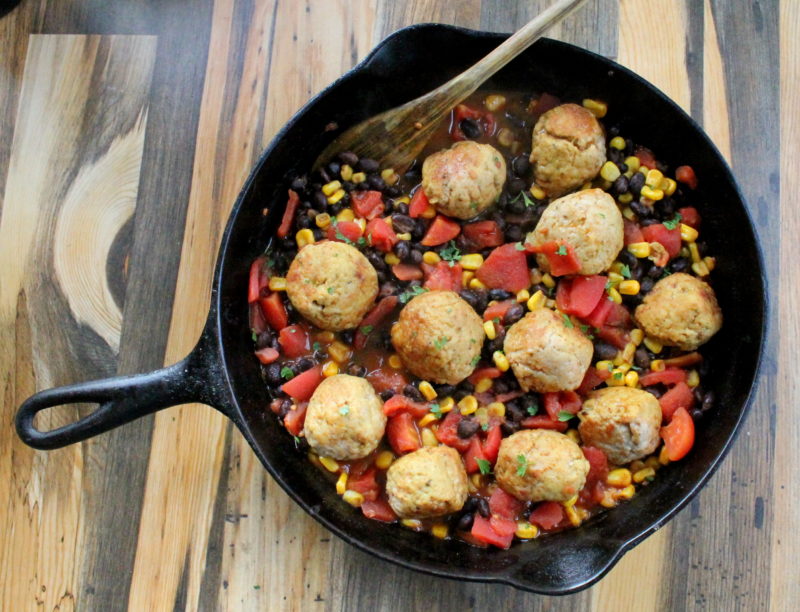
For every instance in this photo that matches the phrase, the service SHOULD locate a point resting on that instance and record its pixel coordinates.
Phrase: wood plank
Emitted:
(75, 157)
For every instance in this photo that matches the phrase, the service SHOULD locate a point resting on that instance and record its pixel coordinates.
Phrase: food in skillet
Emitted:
(502, 341)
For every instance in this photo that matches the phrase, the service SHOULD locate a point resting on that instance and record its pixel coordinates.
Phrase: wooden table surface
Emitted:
(126, 130)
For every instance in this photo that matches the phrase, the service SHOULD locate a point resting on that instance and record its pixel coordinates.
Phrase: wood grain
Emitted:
(120, 157)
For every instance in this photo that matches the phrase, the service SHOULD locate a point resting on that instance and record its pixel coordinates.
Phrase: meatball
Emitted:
(332, 285)
(464, 180)
(546, 354)
(345, 418)
(622, 422)
(439, 337)
(568, 148)
(541, 465)
(429, 482)
(680, 310)
(590, 222)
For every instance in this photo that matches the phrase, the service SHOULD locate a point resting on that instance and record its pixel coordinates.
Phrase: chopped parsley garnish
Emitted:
(609, 284)
(625, 271)
(362, 241)
(522, 465)
(484, 466)
(451, 253)
(316, 346)
(253, 335)
(296, 440)
(673, 223)
(287, 373)
(440, 342)
(413, 292)
(525, 198)
(562, 250)
(475, 360)
(564, 416)
(519, 246)
(366, 329)
(436, 410)
(344, 410)
(496, 320)
(330, 290)
(533, 409)
(485, 426)
(617, 375)
(567, 321)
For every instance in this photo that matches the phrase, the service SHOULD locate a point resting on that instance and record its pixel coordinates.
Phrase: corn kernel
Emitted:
(688, 233)
(494, 102)
(635, 466)
(277, 283)
(684, 252)
(628, 214)
(322, 220)
(693, 378)
(608, 500)
(384, 460)
(573, 435)
(496, 409)
(395, 362)
(428, 213)
(411, 523)
(391, 259)
(617, 378)
(476, 480)
(632, 379)
(625, 198)
(466, 276)
(358, 177)
(627, 493)
(658, 365)
(652, 194)
(652, 462)
(523, 296)
(446, 404)
(621, 477)
(537, 300)
(572, 515)
(610, 171)
(618, 142)
(604, 365)
(476, 284)
(653, 345)
(331, 368)
(633, 163)
(405, 236)
(304, 237)
(389, 176)
(670, 186)
(329, 464)
(629, 287)
(483, 385)
(330, 188)
(362, 223)
(346, 214)
(637, 335)
(548, 281)
(653, 178)
(642, 475)
(341, 483)
(596, 107)
(468, 405)
(526, 531)
(339, 352)
(639, 249)
(346, 172)
(336, 196)
(501, 361)
(489, 330)
(427, 390)
(710, 262)
(663, 456)
(473, 261)
(551, 304)
(354, 498)
(615, 296)
(326, 336)
(428, 437)
(700, 269)
(439, 531)
(431, 258)
(538, 193)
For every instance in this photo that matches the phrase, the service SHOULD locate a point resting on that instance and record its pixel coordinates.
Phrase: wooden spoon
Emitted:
(396, 137)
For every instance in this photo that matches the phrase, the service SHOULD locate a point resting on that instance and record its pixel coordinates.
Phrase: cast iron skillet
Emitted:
(222, 372)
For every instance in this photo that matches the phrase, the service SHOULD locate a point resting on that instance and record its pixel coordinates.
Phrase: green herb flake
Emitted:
(484, 466)
(296, 440)
(609, 285)
(617, 375)
(362, 241)
(413, 292)
(522, 465)
(316, 346)
(440, 342)
(451, 253)
(673, 223)
(367, 329)
(625, 271)
(253, 335)
(436, 410)
(533, 409)
(525, 198)
(564, 416)
(496, 320)
(485, 426)
(519, 246)
(256, 586)
(286, 373)
(562, 250)
(330, 290)
(475, 360)
(567, 321)
(344, 410)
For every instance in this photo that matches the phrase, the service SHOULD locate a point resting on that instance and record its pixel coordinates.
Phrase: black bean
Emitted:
(500, 220)
(703, 369)
(643, 211)
(509, 427)
(471, 128)
(615, 155)
(654, 391)
(388, 289)
(473, 298)
(613, 131)
(324, 176)
(641, 359)
(604, 351)
(514, 411)
(648, 221)
(299, 183)
(471, 504)
(376, 260)
(645, 286)
(465, 522)
(348, 186)
(666, 208)
(515, 186)
(401, 208)
(708, 402)
(621, 185)
(334, 168)
(628, 146)
(628, 258)
(513, 233)
(622, 166)
(412, 392)
(445, 390)
(376, 182)
(636, 183)
(419, 230)
(303, 222)
(368, 165)
(349, 158)
(402, 250)
(467, 428)
(460, 394)
(305, 363)
(355, 369)
(655, 272)
(513, 314)
(336, 209)
(521, 165)
(493, 345)
(393, 191)
(318, 234)
(679, 265)
(264, 339)
(483, 507)
(286, 406)
(387, 394)
(499, 294)
(467, 386)
(273, 374)
(320, 201)
(347, 336)
(403, 223)
(416, 256)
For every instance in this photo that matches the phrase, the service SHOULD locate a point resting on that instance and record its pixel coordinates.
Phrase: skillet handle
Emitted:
(123, 399)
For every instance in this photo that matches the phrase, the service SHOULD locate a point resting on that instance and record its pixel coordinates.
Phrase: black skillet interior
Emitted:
(407, 64)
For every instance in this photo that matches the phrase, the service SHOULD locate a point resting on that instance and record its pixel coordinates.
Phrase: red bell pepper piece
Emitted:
(597, 318)
(483, 234)
(288, 214)
(646, 157)
(440, 231)
(504, 505)
(258, 279)
(386, 379)
(482, 531)
(400, 403)
(543, 421)
(302, 386)
(498, 310)
(686, 175)
(614, 335)
(448, 432)
(632, 232)
(294, 341)
(489, 372)
(367, 204)
(365, 484)
(690, 216)
(505, 268)
(418, 204)
(380, 235)
(267, 355)
(678, 436)
(592, 379)
(579, 296)
(274, 311)
(680, 396)
(295, 419)
(344, 231)
(379, 510)
(543, 104)
(402, 433)
(669, 376)
(442, 276)
(474, 452)
(560, 255)
(670, 239)
(491, 445)
(407, 272)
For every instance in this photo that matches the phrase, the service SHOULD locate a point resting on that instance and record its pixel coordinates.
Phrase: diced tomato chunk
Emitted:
(483, 234)
(372, 319)
(442, 276)
(440, 231)
(379, 510)
(498, 310)
(482, 530)
(302, 386)
(680, 396)
(288, 214)
(344, 231)
(258, 323)
(579, 296)
(274, 311)
(381, 236)
(552, 405)
(365, 484)
(598, 464)
(570, 401)
(618, 316)
(294, 341)
(547, 514)
(267, 355)
(402, 433)
(257, 280)
(367, 204)
(670, 239)
(474, 452)
(418, 204)
(633, 233)
(543, 421)
(448, 432)
(407, 272)
(591, 379)
(686, 175)
(505, 268)
(678, 436)
(491, 445)
(504, 505)
(385, 379)
(560, 255)
(614, 335)
(488, 372)
(669, 376)
(601, 312)
(646, 157)
(400, 403)
(690, 216)
(295, 419)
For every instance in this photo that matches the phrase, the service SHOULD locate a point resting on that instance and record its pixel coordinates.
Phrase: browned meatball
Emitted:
(622, 422)
(426, 483)
(588, 220)
(568, 149)
(464, 180)
(680, 310)
(541, 465)
(439, 337)
(332, 285)
(546, 354)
